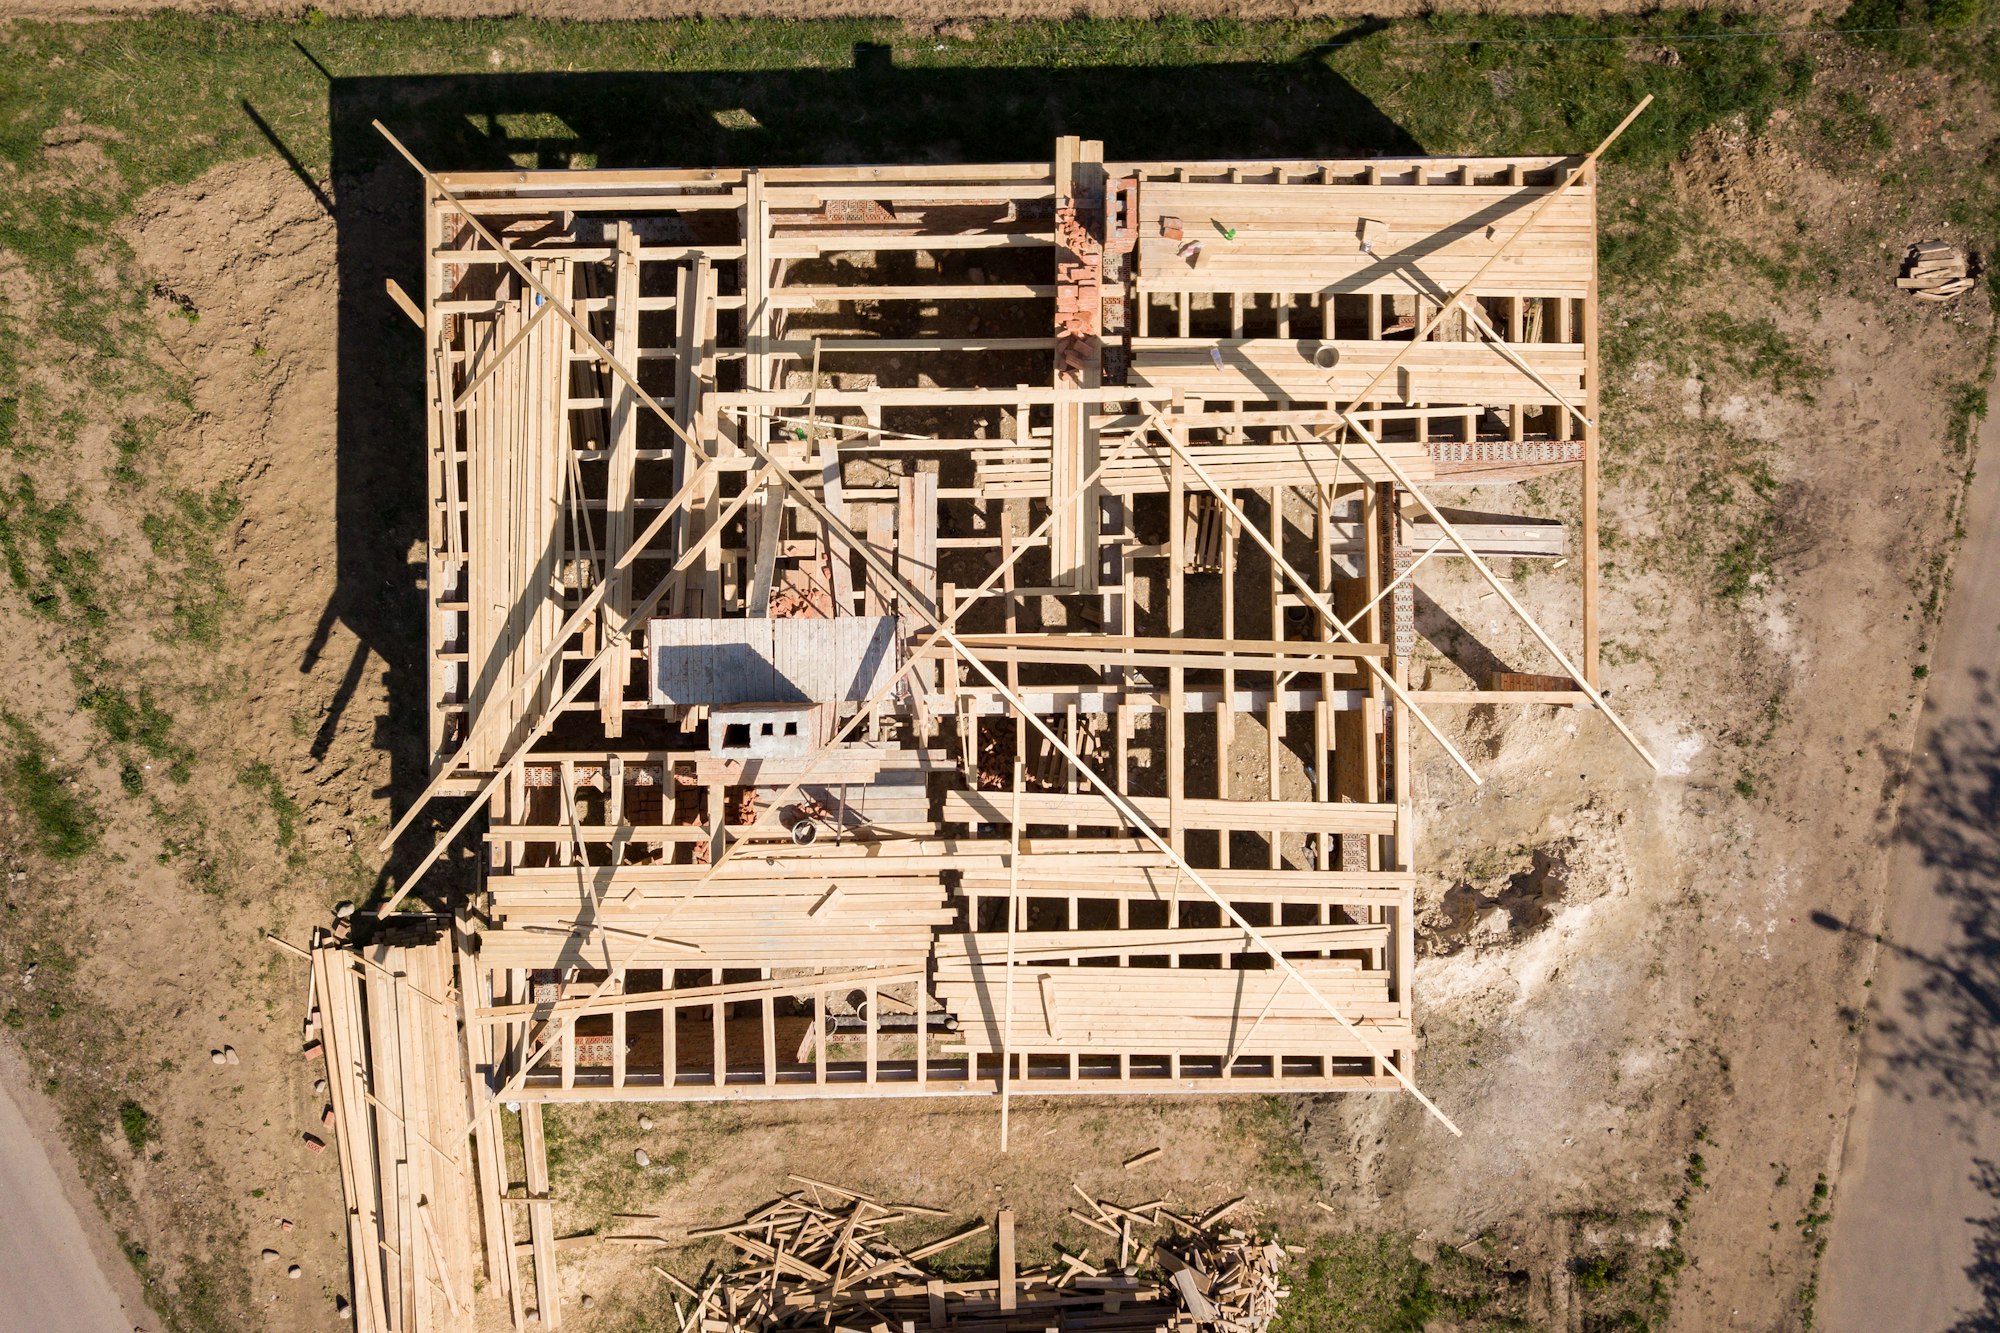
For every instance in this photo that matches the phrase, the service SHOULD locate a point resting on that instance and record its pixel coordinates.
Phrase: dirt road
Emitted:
(49, 1276)
(1917, 1207)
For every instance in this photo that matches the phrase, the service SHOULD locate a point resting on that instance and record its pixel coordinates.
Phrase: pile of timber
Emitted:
(1187, 1011)
(388, 1023)
(515, 444)
(1012, 471)
(1935, 271)
(820, 1257)
(806, 911)
(1340, 238)
(1281, 370)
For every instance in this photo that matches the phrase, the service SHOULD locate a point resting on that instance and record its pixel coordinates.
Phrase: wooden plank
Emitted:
(620, 491)
(541, 1217)
(1091, 808)
(1042, 945)
(1008, 1297)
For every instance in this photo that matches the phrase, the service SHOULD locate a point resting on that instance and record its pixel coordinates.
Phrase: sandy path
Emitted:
(49, 1276)
(1915, 1207)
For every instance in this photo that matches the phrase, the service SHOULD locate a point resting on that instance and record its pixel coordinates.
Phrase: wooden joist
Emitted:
(1089, 808)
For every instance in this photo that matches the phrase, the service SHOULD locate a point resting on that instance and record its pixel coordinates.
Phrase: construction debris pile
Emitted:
(1935, 271)
(820, 1257)
(1226, 1280)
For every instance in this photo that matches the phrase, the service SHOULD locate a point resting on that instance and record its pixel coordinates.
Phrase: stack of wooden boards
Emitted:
(814, 907)
(1935, 271)
(1005, 471)
(1282, 370)
(1084, 1009)
(518, 492)
(1365, 238)
(820, 1257)
(388, 1019)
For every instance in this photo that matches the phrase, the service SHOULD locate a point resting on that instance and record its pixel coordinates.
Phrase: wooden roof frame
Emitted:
(677, 300)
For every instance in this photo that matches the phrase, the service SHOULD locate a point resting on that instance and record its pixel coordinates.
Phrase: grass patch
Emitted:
(590, 1152)
(1755, 349)
(1848, 124)
(1373, 1283)
(1724, 520)
(261, 778)
(138, 1126)
(1622, 1282)
(1812, 1226)
(61, 822)
(183, 533)
(48, 559)
(1966, 404)
(188, 844)
(1747, 562)
(137, 722)
(1281, 1158)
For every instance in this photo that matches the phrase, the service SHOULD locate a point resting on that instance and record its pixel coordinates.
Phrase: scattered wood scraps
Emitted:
(820, 1257)
(1935, 271)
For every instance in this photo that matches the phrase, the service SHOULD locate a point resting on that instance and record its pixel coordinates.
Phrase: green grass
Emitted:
(49, 558)
(1756, 350)
(260, 777)
(60, 819)
(1373, 1283)
(183, 534)
(138, 1126)
(1281, 1158)
(190, 845)
(1849, 123)
(1967, 405)
(1812, 1226)
(135, 721)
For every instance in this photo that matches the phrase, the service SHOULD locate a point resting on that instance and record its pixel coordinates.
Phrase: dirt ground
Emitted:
(1639, 993)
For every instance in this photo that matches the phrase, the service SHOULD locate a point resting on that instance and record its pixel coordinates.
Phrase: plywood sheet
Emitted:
(749, 661)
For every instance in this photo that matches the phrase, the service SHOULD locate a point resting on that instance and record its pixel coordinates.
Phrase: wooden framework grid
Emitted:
(1138, 817)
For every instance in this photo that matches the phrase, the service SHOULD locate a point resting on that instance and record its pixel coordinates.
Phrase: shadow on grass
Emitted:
(873, 111)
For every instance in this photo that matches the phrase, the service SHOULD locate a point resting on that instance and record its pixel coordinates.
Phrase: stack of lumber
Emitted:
(1193, 1011)
(515, 441)
(1309, 238)
(396, 1088)
(1489, 535)
(1094, 809)
(1935, 271)
(1433, 373)
(1017, 471)
(820, 1257)
(829, 905)
(810, 921)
